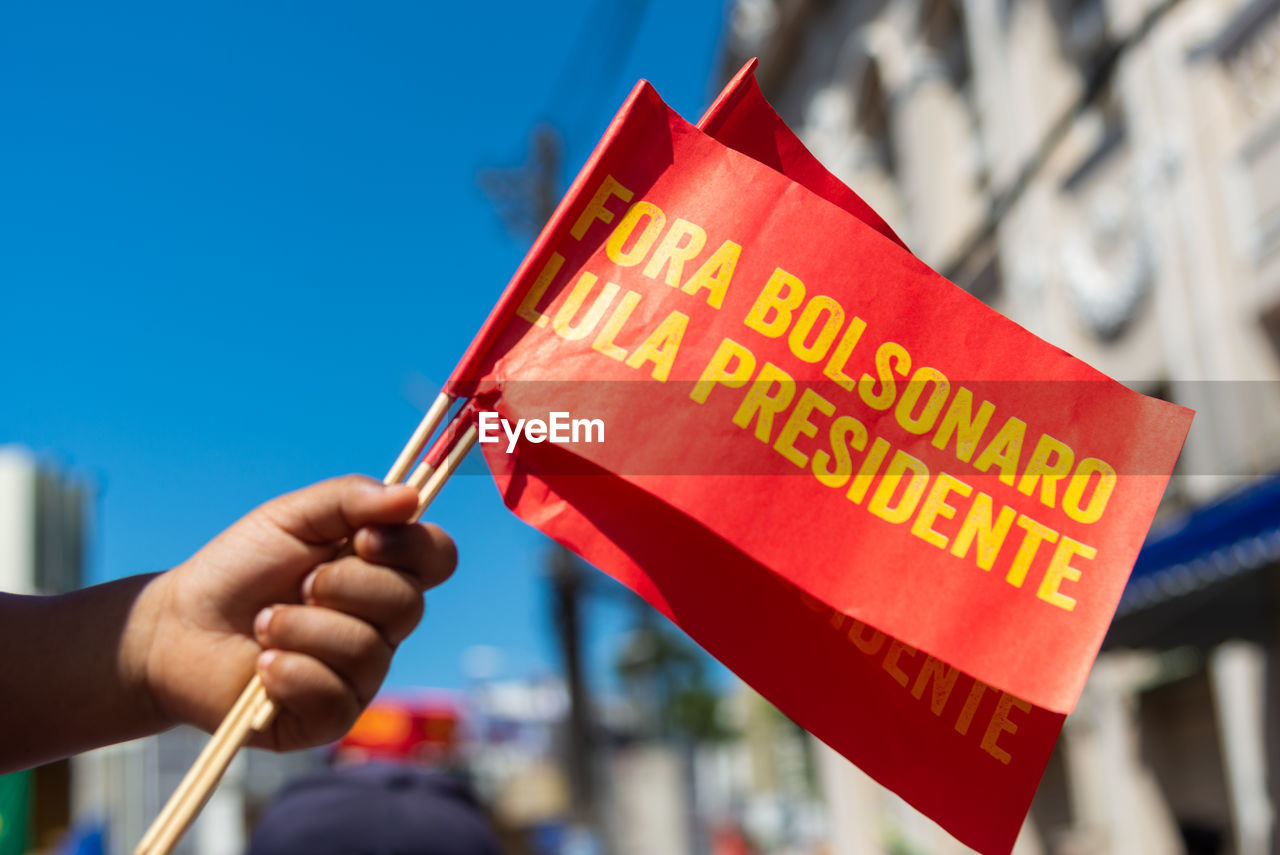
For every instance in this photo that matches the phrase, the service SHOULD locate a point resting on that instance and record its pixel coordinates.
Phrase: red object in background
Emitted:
(399, 730)
(729, 840)
(856, 620)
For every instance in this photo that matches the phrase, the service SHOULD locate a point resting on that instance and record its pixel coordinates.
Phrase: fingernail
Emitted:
(265, 660)
(262, 622)
(382, 489)
(308, 586)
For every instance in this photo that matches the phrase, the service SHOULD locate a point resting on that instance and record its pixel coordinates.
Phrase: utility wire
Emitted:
(525, 195)
(591, 68)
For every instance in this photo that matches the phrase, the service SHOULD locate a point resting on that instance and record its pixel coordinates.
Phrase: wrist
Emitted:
(140, 662)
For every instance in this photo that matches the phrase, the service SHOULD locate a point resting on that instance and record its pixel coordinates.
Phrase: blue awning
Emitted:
(1235, 534)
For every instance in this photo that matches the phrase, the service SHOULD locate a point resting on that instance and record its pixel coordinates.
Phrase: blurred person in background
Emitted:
(376, 809)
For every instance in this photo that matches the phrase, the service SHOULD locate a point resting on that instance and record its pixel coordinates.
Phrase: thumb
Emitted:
(338, 508)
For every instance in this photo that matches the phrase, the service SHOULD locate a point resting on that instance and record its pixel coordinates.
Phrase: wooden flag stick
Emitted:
(426, 428)
(446, 468)
(438, 456)
(253, 710)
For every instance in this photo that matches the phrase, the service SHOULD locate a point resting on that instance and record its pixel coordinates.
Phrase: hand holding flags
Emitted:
(901, 517)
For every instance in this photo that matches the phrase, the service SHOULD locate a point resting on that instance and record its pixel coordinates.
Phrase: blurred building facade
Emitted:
(1106, 173)
(43, 520)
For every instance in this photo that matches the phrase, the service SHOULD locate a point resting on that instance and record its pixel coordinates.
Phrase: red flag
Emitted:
(743, 120)
(808, 434)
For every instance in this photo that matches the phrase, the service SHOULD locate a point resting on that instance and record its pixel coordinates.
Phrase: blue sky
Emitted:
(241, 243)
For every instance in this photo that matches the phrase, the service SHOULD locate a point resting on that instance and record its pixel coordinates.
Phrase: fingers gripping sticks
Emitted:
(253, 711)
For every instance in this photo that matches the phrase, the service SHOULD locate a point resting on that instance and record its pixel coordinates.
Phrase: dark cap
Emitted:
(375, 809)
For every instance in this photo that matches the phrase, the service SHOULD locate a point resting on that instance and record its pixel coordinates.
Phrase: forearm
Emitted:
(73, 671)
